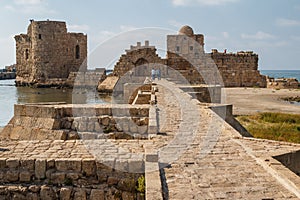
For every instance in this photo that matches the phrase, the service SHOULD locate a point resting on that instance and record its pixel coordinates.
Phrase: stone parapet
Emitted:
(66, 121)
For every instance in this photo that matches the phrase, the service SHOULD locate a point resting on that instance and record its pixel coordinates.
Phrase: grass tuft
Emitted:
(273, 126)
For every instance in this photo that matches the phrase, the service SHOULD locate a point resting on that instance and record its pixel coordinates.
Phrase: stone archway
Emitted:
(139, 60)
(141, 67)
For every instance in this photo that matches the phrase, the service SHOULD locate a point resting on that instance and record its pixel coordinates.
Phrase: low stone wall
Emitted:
(204, 93)
(66, 121)
(85, 79)
(291, 161)
(225, 112)
(65, 179)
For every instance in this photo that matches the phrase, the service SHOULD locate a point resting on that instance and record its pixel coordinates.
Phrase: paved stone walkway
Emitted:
(217, 163)
(201, 156)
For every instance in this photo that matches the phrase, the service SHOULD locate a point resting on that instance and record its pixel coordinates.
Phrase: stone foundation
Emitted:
(62, 122)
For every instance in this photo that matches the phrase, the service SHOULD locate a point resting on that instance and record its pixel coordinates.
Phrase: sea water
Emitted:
(282, 73)
(10, 95)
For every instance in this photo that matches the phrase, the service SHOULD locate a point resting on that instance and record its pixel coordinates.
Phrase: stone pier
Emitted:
(196, 155)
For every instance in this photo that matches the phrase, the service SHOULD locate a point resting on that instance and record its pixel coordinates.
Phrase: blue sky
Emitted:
(269, 28)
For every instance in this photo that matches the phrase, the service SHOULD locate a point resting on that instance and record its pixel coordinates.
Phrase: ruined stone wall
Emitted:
(48, 51)
(239, 69)
(139, 60)
(89, 79)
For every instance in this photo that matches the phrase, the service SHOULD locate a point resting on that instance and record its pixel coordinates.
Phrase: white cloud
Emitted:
(37, 7)
(175, 23)
(225, 35)
(202, 2)
(78, 28)
(258, 36)
(27, 2)
(127, 28)
(287, 22)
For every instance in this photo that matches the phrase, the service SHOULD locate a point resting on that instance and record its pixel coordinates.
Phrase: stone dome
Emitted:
(186, 30)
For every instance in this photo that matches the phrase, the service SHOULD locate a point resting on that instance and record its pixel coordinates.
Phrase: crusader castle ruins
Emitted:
(48, 55)
(48, 52)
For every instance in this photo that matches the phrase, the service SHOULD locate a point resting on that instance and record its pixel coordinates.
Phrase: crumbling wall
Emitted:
(138, 61)
(48, 51)
(239, 69)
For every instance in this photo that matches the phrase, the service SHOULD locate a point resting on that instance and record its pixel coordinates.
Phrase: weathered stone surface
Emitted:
(25, 176)
(40, 168)
(68, 52)
(128, 195)
(12, 175)
(88, 166)
(71, 164)
(65, 193)
(97, 194)
(27, 164)
(12, 163)
(80, 194)
(47, 193)
(58, 177)
(112, 181)
(34, 188)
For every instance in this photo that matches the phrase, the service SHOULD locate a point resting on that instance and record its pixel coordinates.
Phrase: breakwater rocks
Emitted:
(7, 75)
(292, 99)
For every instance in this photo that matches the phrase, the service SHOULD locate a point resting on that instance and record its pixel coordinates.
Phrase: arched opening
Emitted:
(26, 54)
(141, 67)
(77, 52)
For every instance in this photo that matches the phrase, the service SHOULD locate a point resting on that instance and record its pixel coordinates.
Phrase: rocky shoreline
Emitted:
(292, 99)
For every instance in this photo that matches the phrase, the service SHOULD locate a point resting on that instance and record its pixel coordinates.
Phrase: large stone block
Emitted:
(12, 175)
(12, 163)
(25, 176)
(68, 164)
(80, 194)
(47, 193)
(27, 164)
(58, 177)
(65, 193)
(89, 167)
(40, 168)
(97, 194)
(2, 163)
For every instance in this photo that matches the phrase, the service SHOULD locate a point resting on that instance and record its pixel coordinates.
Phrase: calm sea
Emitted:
(10, 95)
(282, 73)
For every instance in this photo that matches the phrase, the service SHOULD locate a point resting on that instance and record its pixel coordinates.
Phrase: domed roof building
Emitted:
(186, 30)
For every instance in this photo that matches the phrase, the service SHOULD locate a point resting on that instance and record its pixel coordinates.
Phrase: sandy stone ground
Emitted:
(247, 101)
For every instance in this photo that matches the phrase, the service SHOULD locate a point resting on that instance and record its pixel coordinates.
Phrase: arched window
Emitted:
(77, 52)
(26, 54)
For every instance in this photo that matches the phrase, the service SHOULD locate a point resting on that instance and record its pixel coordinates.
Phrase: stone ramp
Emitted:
(220, 164)
(197, 155)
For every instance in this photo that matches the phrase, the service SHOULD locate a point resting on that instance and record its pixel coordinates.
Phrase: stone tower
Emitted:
(48, 53)
(183, 49)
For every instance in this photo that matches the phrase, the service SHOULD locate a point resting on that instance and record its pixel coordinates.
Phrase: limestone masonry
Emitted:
(48, 52)
(49, 56)
(186, 55)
